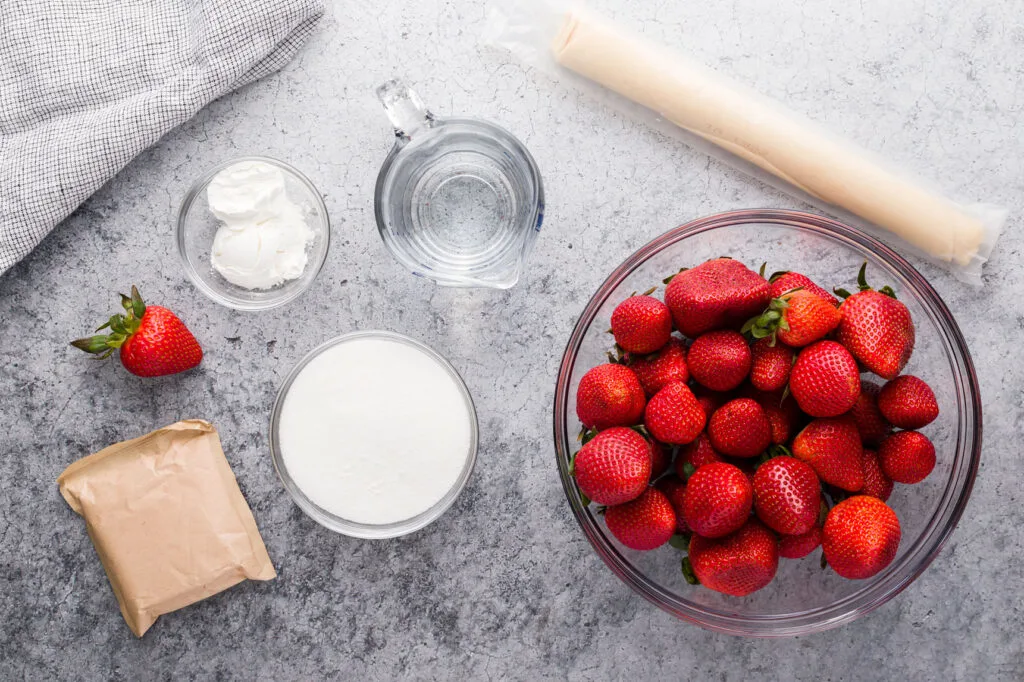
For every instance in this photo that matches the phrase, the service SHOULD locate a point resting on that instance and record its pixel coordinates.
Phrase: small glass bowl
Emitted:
(197, 227)
(802, 598)
(363, 530)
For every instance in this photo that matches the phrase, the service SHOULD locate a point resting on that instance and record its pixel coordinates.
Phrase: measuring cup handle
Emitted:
(407, 112)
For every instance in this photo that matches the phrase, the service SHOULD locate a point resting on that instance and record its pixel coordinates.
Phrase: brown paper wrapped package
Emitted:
(763, 133)
(167, 519)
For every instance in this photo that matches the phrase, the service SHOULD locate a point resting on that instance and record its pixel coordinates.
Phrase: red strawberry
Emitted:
(787, 495)
(799, 546)
(797, 318)
(825, 380)
(614, 467)
(782, 412)
(877, 329)
(710, 400)
(657, 371)
(675, 490)
(609, 395)
(719, 360)
(718, 500)
(697, 454)
(781, 282)
(870, 422)
(907, 457)
(661, 460)
(876, 483)
(832, 447)
(641, 324)
(718, 294)
(739, 564)
(644, 523)
(860, 537)
(674, 416)
(908, 402)
(740, 428)
(153, 342)
(770, 366)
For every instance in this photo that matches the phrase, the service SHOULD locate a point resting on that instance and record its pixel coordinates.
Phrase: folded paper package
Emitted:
(167, 519)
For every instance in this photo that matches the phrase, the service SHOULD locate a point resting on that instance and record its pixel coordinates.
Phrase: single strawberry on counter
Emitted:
(718, 500)
(738, 564)
(641, 324)
(833, 449)
(674, 489)
(825, 380)
(877, 329)
(799, 546)
(797, 318)
(781, 282)
(865, 413)
(860, 537)
(876, 483)
(719, 294)
(614, 467)
(674, 416)
(151, 340)
(643, 524)
(907, 457)
(609, 395)
(740, 428)
(908, 402)
(697, 454)
(719, 360)
(787, 495)
(770, 365)
(658, 370)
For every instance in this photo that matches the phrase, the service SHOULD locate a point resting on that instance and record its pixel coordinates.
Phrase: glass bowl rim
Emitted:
(923, 549)
(228, 300)
(362, 530)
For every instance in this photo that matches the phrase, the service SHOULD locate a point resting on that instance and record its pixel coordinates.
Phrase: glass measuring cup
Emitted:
(458, 200)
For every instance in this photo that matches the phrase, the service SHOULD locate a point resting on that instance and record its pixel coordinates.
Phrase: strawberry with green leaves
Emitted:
(876, 328)
(151, 340)
(797, 318)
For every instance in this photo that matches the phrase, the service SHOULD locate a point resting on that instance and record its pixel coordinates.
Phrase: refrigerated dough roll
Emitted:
(764, 133)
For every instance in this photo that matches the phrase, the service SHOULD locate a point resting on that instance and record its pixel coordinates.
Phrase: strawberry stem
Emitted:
(687, 568)
(121, 327)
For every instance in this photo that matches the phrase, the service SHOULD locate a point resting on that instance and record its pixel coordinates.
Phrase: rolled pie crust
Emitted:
(755, 129)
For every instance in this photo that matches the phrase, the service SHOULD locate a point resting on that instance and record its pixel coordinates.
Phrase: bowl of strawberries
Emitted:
(763, 454)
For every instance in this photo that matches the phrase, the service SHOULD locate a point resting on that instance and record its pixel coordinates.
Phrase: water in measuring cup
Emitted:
(463, 205)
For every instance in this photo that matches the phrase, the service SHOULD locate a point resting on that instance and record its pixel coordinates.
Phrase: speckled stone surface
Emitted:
(504, 585)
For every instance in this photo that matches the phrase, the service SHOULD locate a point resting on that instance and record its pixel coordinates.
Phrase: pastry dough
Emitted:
(761, 132)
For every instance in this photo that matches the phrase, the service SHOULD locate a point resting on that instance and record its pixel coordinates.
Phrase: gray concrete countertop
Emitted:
(504, 585)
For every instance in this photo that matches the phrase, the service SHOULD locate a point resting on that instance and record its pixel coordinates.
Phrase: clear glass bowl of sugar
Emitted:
(198, 227)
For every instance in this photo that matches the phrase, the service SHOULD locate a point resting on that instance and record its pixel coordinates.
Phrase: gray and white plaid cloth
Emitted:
(85, 85)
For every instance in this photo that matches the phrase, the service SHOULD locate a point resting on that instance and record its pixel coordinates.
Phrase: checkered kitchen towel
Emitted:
(85, 85)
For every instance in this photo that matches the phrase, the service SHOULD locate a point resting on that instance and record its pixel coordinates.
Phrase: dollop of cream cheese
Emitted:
(262, 241)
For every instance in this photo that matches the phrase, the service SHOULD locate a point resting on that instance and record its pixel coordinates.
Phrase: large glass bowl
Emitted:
(803, 598)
